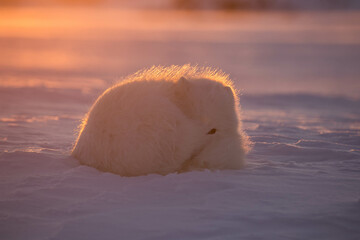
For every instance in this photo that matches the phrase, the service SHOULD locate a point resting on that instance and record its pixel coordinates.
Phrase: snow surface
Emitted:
(299, 75)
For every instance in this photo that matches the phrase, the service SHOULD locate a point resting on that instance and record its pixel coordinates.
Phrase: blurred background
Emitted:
(197, 4)
(267, 46)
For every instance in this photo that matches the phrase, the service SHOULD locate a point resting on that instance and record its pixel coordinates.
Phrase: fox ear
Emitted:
(231, 92)
(182, 96)
(229, 89)
(183, 85)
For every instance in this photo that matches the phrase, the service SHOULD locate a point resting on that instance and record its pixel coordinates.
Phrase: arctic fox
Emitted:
(164, 120)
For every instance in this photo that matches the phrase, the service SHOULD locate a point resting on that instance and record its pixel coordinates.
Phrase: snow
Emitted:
(300, 102)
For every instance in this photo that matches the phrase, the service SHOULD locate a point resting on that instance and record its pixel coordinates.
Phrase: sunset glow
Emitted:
(75, 40)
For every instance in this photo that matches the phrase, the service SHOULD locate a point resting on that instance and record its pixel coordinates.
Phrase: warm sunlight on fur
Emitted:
(174, 73)
(163, 120)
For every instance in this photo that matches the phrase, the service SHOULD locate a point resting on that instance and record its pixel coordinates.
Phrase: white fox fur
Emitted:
(162, 120)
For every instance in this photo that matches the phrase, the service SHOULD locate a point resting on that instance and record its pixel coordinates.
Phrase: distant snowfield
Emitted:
(300, 103)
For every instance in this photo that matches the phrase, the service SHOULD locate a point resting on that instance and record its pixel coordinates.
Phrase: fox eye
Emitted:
(212, 131)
